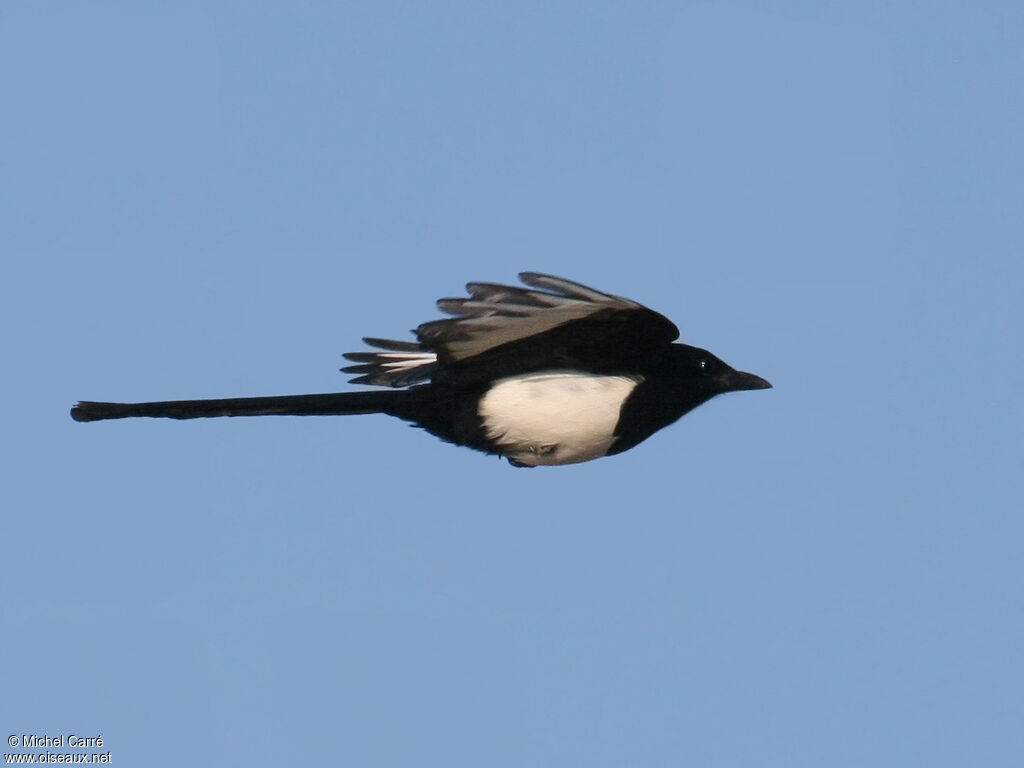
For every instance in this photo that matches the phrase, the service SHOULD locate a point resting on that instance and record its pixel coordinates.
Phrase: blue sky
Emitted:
(219, 199)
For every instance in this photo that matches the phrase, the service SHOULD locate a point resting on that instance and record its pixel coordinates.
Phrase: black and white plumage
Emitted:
(553, 373)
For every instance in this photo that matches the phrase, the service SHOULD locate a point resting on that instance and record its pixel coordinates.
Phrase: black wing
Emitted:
(558, 321)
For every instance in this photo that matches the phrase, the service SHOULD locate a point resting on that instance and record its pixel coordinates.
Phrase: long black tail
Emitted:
(394, 402)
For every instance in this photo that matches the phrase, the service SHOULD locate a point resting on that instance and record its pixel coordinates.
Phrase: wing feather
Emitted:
(402, 364)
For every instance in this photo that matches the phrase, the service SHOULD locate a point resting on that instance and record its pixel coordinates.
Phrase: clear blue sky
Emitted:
(219, 199)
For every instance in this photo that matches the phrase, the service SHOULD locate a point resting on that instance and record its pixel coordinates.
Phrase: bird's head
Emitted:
(701, 370)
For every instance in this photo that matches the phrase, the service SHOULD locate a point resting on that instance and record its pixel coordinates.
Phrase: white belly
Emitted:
(554, 417)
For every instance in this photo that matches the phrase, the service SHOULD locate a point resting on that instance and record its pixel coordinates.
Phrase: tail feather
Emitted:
(395, 403)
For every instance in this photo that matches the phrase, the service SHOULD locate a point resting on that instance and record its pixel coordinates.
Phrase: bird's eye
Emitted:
(703, 365)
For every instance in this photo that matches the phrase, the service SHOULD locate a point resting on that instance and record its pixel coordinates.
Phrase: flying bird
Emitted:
(553, 373)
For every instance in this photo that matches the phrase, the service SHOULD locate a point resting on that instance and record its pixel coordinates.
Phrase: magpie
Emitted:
(553, 373)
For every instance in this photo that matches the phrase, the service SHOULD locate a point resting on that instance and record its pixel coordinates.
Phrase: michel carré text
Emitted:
(34, 740)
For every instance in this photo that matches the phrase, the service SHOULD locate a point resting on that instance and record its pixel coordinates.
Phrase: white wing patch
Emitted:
(554, 417)
(397, 362)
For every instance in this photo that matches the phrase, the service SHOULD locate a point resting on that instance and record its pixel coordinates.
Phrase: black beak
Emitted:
(736, 381)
